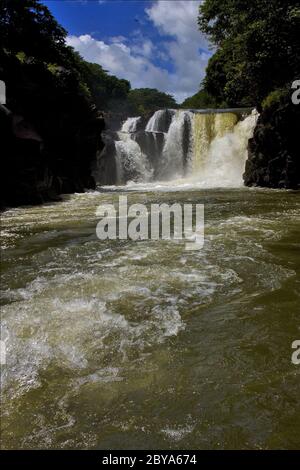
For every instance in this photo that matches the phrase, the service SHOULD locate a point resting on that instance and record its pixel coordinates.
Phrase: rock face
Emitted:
(33, 171)
(105, 171)
(273, 152)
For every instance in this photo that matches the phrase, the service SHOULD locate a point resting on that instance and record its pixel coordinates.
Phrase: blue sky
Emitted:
(153, 44)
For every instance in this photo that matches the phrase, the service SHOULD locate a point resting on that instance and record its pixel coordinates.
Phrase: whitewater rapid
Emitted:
(178, 147)
(143, 344)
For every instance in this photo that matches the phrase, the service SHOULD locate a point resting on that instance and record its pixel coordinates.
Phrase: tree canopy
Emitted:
(32, 39)
(30, 34)
(201, 100)
(107, 91)
(258, 48)
(146, 100)
(28, 26)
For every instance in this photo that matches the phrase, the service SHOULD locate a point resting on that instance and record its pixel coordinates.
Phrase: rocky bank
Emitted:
(274, 155)
(38, 167)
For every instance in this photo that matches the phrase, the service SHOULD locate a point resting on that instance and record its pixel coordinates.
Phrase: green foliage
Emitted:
(201, 100)
(31, 34)
(107, 91)
(28, 26)
(146, 100)
(45, 85)
(257, 48)
(274, 98)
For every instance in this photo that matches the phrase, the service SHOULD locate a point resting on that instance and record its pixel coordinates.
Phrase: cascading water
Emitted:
(207, 127)
(220, 151)
(131, 162)
(160, 121)
(177, 150)
(206, 147)
(131, 124)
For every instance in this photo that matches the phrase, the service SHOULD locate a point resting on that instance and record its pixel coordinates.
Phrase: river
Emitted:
(141, 344)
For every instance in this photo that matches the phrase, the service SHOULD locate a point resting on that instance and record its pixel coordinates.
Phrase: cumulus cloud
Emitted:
(118, 39)
(178, 19)
(180, 44)
(120, 60)
(188, 50)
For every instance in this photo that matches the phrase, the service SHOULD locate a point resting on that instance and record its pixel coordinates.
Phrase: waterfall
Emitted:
(207, 147)
(131, 124)
(160, 121)
(206, 128)
(222, 163)
(131, 162)
(177, 148)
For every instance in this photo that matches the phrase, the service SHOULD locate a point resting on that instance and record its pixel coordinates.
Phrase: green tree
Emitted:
(107, 91)
(258, 48)
(28, 26)
(146, 100)
(47, 90)
(201, 100)
(31, 34)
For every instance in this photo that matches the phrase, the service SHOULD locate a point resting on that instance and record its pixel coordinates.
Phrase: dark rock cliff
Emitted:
(50, 132)
(36, 169)
(274, 151)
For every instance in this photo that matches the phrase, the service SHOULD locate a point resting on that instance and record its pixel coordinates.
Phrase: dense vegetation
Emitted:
(258, 49)
(31, 39)
(201, 100)
(147, 100)
(53, 131)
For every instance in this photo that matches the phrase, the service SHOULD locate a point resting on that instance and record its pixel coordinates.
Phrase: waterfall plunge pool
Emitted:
(126, 345)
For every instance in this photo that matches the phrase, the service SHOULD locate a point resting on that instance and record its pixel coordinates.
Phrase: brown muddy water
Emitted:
(127, 345)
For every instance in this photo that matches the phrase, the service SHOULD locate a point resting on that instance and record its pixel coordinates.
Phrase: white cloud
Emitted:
(117, 39)
(132, 58)
(145, 49)
(119, 59)
(178, 19)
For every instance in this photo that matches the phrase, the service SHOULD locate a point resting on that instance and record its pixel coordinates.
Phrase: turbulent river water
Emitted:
(126, 344)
